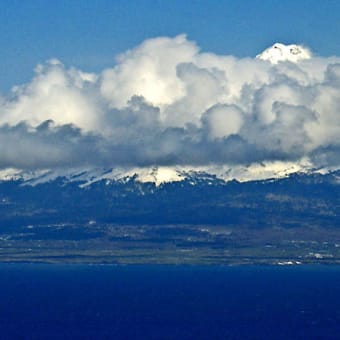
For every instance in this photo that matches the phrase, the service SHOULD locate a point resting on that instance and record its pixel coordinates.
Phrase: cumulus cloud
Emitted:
(167, 103)
(222, 120)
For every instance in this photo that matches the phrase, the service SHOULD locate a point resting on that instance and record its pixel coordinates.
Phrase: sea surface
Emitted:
(42, 301)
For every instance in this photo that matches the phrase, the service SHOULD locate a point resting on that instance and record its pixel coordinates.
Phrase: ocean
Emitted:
(45, 301)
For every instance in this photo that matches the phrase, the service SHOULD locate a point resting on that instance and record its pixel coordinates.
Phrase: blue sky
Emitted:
(88, 34)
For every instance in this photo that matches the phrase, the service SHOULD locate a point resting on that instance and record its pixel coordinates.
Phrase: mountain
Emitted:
(162, 174)
(167, 195)
(169, 216)
(280, 52)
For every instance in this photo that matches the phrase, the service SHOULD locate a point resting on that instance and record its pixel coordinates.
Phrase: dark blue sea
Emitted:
(40, 301)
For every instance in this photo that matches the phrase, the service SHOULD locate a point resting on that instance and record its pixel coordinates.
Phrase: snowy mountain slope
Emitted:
(199, 198)
(161, 174)
(280, 52)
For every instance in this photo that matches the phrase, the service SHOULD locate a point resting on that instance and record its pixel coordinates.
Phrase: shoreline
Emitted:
(264, 263)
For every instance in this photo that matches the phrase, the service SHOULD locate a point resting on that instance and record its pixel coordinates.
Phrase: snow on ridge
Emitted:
(280, 52)
(16, 174)
(162, 174)
(157, 175)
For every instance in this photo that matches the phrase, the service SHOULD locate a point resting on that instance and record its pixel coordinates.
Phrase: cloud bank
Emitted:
(167, 103)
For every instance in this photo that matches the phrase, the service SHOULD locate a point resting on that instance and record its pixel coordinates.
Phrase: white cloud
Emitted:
(149, 70)
(223, 121)
(165, 102)
(64, 96)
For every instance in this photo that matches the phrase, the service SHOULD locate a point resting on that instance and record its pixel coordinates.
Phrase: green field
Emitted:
(170, 244)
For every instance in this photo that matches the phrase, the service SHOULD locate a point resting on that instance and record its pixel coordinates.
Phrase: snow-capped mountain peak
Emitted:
(162, 174)
(157, 175)
(280, 52)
